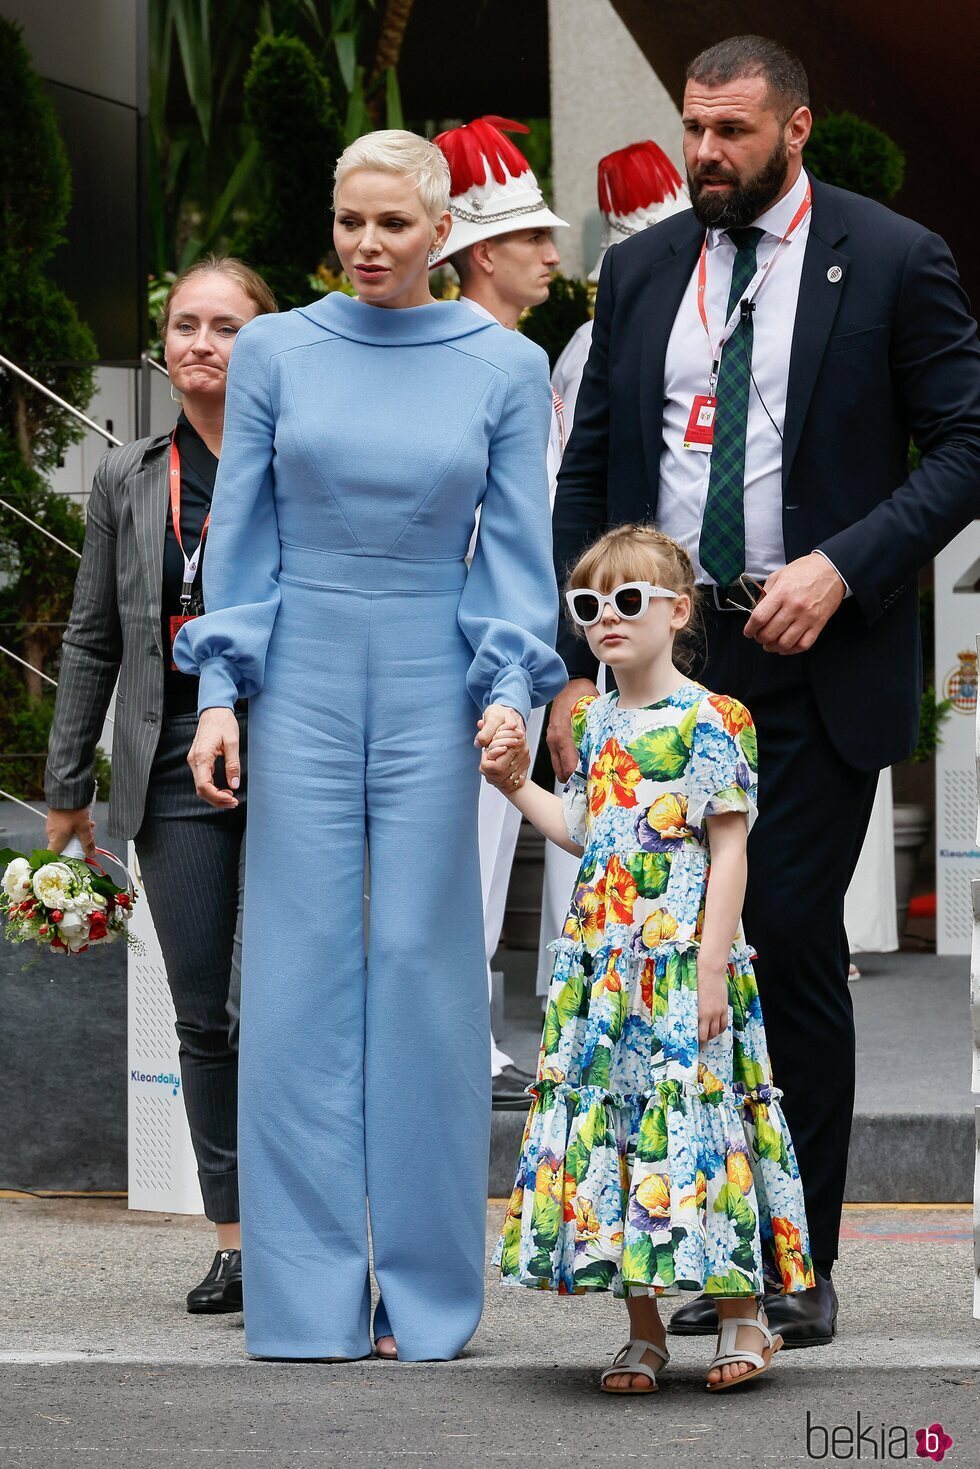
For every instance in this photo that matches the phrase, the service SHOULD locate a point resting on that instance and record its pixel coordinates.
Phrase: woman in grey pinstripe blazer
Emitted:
(127, 598)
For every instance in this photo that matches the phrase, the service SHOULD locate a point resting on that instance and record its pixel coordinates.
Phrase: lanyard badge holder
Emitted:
(190, 602)
(700, 432)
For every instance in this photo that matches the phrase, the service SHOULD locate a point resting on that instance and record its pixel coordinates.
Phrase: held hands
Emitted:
(505, 763)
(216, 737)
(502, 737)
(799, 602)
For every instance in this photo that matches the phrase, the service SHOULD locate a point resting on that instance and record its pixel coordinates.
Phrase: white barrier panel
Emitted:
(957, 852)
(162, 1167)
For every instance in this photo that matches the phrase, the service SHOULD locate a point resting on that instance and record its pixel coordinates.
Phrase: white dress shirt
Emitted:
(567, 376)
(684, 473)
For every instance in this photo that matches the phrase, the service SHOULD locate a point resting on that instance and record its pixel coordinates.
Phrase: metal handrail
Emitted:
(6, 796)
(41, 674)
(37, 526)
(152, 362)
(68, 407)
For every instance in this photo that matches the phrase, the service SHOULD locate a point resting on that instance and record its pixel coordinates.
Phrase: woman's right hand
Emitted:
(61, 826)
(216, 737)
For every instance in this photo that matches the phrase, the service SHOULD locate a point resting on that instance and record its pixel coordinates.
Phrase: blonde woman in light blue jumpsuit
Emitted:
(360, 437)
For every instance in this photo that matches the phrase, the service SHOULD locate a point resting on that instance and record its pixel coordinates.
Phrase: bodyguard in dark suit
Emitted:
(830, 335)
(140, 575)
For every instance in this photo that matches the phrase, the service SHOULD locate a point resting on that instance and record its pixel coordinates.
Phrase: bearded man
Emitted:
(758, 366)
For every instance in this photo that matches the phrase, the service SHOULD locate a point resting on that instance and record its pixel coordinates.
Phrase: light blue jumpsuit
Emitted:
(358, 443)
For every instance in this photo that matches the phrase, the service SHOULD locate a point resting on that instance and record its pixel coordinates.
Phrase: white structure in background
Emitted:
(957, 848)
(162, 1168)
(870, 916)
(604, 95)
(975, 1009)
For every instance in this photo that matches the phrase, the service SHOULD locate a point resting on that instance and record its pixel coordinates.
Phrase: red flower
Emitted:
(56, 915)
(97, 926)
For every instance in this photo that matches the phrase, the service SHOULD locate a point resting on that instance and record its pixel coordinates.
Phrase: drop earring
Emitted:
(434, 253)
(175, 397)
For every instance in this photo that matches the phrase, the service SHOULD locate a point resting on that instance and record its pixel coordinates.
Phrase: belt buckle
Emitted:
(719, 598)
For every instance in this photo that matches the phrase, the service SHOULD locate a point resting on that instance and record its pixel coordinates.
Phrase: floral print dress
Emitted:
(650, 1164)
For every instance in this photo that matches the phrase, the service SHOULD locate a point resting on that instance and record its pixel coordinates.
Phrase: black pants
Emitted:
(191, 860)
(814, 811)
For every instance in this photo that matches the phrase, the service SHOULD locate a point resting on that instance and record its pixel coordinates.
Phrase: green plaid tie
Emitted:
(722, 546)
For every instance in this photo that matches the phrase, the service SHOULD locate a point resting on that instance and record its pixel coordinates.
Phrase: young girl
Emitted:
(656, 1157)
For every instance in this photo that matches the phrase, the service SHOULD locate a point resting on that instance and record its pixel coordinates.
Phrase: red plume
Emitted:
(636, 178)
(481, 148)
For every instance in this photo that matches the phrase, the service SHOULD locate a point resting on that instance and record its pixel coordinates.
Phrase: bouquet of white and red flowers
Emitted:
(65, 904)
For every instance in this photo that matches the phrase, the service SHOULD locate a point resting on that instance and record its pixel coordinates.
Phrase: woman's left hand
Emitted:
(499, 717)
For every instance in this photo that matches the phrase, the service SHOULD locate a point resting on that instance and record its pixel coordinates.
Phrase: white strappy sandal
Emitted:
(629, 1360)
(728, 1353)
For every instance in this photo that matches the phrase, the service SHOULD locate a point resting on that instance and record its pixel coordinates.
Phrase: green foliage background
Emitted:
(850, 153)
(41, 331)
(289, 107)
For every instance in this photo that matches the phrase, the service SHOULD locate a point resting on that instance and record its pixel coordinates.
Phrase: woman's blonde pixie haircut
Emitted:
(391, 150)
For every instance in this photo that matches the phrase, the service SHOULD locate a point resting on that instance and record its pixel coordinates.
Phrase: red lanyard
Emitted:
(191, 563)
(762, 276)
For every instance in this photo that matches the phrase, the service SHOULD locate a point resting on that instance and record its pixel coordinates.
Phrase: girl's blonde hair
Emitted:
(392, 150)
(228, 265)
(639, 553)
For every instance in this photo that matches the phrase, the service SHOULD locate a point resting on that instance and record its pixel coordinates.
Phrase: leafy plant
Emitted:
(296, 129)
(933, 714)
(850, 153)
(41, 331)
(553, 323)
(204, 163)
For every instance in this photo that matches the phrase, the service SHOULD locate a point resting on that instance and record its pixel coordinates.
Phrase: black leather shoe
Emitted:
(807, 1318)
(221, 1288)
(696, 1318)
(509, 1090)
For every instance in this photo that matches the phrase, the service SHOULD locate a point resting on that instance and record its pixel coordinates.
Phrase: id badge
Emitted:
(176, 623)
(700, 431)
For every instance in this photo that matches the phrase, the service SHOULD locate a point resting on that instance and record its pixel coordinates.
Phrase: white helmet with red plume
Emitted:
(493, 189)
(638, 186)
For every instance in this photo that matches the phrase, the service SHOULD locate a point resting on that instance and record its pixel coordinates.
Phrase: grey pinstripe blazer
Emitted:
(114, 630)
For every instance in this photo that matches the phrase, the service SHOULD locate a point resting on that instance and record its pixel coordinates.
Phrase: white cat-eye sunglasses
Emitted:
(629, 601)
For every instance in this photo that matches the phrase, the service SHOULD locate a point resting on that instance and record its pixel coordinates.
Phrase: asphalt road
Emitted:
(99, 1365)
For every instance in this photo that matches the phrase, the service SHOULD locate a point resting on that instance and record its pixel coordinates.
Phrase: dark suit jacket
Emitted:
(888, 351)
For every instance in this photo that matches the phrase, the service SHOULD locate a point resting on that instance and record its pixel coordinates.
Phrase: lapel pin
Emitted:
(834, 274)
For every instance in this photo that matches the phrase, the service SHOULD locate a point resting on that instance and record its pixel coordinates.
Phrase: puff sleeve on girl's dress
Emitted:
(722, 774)
(575, 800)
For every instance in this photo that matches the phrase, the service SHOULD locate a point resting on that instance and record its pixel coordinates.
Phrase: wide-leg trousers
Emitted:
(364, 1069)
(814, 810)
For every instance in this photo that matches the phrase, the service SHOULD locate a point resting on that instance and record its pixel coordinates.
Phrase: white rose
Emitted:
(17, 880)
(71, 926)
(52, 882)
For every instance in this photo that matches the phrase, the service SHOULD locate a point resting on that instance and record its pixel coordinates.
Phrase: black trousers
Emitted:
(814, 811)
(191, 860)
